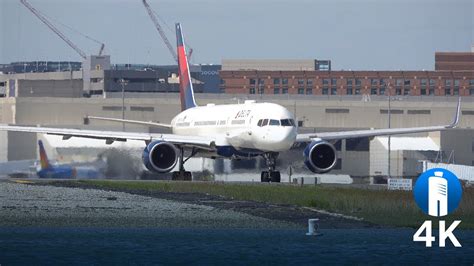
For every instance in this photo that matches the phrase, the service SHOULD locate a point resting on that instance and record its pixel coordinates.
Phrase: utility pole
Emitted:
(123, 83)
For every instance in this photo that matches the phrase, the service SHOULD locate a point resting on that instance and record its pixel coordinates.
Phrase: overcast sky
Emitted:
(357, 34)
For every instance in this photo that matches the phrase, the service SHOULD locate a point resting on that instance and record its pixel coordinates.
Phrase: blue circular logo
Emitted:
(437, 192)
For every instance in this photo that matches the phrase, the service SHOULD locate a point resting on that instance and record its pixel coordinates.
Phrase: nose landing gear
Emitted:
(271, 175)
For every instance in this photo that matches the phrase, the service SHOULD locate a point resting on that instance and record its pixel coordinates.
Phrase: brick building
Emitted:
(454, 79)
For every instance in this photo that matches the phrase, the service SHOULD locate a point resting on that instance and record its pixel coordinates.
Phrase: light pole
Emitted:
(389, 124)
(123, 83)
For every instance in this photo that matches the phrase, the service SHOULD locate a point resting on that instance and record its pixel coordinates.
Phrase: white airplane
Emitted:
(235, 131)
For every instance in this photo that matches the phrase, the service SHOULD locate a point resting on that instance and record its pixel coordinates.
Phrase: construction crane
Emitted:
(160, 30)
(58, 32)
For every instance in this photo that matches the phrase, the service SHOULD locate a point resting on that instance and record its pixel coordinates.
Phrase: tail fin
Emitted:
(43, 157)
(186, 92)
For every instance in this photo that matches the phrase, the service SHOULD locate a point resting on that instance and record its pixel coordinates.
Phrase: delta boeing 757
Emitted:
(235, 131)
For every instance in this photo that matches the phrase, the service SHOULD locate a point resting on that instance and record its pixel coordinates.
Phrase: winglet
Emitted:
(457, 116)
(43, 157)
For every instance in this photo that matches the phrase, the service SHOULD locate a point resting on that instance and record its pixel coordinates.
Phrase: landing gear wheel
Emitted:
(265, 176)
(275, 177)
(182, 176)
(271, 175)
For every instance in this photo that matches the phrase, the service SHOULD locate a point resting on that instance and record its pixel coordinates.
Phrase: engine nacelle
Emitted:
(320, 156)
(160, 156)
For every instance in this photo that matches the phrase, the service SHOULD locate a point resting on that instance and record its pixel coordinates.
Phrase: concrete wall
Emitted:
(461, 141)
(317, 114)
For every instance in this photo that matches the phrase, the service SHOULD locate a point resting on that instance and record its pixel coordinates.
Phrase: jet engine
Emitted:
(160, 156)
(320, 156)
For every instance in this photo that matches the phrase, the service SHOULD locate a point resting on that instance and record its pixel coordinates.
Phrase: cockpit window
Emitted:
(260, 122)
(274, 122)
(265, 122)
(287, 122)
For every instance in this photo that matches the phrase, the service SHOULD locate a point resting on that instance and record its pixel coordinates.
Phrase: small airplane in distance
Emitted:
(233, 131)
(47, 170)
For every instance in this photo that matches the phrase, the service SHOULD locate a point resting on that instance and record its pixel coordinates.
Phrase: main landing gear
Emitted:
(271, 175)
(182, 174)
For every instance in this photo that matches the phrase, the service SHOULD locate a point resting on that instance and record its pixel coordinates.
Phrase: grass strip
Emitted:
(391, 208)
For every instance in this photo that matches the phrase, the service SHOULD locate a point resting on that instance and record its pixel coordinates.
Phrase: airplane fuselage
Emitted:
(249, 128)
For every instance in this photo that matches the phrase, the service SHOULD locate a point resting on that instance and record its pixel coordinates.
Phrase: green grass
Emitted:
(393, 208)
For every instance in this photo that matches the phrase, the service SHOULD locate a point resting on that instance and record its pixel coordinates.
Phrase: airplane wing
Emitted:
(127, 121)
(377, 132)
(111, 136)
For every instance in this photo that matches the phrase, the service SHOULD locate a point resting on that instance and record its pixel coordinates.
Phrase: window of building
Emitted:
(432, 82)
(398, 91)
(276, 91)
(471, 91)
(407, 82)
(252, 91)
(424, 82)
(252, 81)
(276, 81)
(284, 81)
(382, 82)
(373, 91)
(419, 112)
(357, 91)
(326, 82)
(448, 83)
(382, 91)
(432, 91)
(333, 82)
(222, 82)
(406, 91)
(349, 82)
(261, 90)
(113, 108)
(300, 81)
(309, 82)
(284, 91)
(349, 91)
(337, 111)
(261, 81)
(423, 91)
(373, 82)
(300, 90)
(222, 90)
(333, 91)
(456, 83)
(309, 91)
(399, 82)
(471, 82)
(456, 91)
(358, 82)
(325, 91)
(447, 91)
